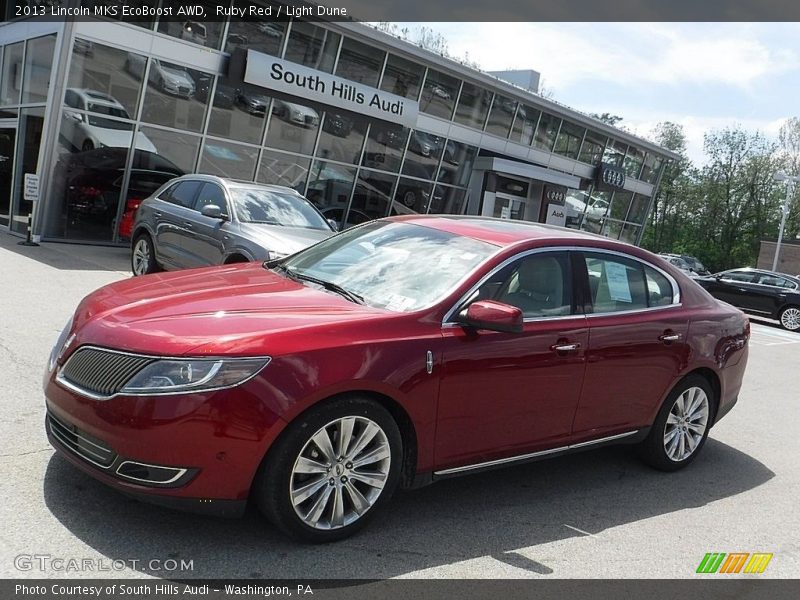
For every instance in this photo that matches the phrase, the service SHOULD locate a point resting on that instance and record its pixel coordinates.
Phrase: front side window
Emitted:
(396, 266)
(211, 193)
(255, 205)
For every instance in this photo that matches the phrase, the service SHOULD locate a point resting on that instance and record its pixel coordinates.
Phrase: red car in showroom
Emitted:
(397, 352)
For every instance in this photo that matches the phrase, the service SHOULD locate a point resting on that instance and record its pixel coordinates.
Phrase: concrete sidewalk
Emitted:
(70, 257)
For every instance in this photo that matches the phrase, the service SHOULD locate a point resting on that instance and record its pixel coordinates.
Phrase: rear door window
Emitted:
(740, 276)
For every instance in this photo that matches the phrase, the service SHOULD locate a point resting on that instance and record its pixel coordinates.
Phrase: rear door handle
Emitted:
(565, 347)
(188, 224)
(670, 337)
(157, 213)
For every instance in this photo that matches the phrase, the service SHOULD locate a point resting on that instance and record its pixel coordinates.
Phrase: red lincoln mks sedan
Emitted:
(397, 352)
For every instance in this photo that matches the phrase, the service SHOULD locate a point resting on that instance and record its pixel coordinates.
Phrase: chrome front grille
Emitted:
(101, 372)
(80, 443)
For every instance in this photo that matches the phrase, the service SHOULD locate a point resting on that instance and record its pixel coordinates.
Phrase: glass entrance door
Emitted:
(507, 206)
(8, 136)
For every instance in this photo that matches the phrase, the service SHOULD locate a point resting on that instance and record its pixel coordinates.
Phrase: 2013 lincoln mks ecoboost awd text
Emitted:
(394, 353)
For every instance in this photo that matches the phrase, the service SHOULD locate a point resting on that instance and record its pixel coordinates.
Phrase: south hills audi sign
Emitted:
(296, 80)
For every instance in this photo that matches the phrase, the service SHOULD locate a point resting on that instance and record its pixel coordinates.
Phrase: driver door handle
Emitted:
(670, 337)
(565, 347)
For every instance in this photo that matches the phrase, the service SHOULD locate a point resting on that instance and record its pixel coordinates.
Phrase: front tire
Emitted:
(143, 256)
(332, 470)
(790, 318)
(681, 427)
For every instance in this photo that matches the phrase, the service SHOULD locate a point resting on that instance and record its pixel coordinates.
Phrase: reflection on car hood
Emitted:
(211, 310)
(278, 238)
(119, 138)
(178, 75)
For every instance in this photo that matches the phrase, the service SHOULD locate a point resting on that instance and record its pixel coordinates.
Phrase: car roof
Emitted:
(762, 272)
(228, 183)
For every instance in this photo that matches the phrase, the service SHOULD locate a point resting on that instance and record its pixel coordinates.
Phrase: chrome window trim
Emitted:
(676, 290)
(99, 397)
(512, 459)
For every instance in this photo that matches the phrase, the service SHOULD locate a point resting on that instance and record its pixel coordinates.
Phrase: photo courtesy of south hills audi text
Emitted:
(160, 590)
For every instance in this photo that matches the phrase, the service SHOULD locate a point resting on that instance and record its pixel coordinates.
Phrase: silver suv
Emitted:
(202, 220)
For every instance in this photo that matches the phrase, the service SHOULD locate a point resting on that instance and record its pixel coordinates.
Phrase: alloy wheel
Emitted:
(790, 319)
(340, 473)
(141, 257)
(686, 424)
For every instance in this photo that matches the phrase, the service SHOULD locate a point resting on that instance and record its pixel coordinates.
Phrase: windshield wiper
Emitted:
(328, 285)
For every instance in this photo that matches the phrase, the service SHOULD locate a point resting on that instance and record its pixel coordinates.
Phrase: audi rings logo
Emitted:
(611, 176)
(556, 196)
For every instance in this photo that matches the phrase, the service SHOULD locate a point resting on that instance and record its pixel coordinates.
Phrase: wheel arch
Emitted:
(716, 386)
(236, 256)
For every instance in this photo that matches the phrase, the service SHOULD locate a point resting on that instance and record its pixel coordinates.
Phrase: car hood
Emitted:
(282, 239)
(119, 138)
(177, 76)
(229, 310)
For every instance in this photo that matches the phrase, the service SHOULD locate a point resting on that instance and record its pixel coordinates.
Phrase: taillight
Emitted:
(133, 204)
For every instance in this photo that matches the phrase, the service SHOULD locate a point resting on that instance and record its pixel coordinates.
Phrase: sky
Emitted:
(702, 75)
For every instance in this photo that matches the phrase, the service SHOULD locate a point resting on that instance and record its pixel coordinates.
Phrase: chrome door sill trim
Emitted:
(511, 459)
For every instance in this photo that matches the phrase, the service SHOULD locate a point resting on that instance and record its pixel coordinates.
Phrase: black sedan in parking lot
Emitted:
(765, 293)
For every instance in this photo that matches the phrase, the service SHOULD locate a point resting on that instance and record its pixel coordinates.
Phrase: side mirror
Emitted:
(211, 210)
(334, 225)
(492, 315)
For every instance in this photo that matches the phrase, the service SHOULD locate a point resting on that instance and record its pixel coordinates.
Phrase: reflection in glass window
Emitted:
(439, 94)
(411, 197)
(329, 188)
(569, 140)
(293, 127)
(11, 76)
(614, 153)
(228, 160)
(402, 77)
(546, 132)
(257, 205)
(638, 209)
(611, 229)
(501, 116)
(179, 148)
(278, 168)
(620, 204)
(576, 204)
(633, 162)
(424, 152)
(248, 33)
(592, 148)
(342, 136)
(81, 131)
(651, 168)
(202, 31)
(473, 105)
(385, 145)
(38, 64)
(447, 200)
(312, 46)
(171, 99)
(525, 125)
(457, 159)
(629, 233)
(360, 62)
(596, 210)
(371, 197)
(236, 113)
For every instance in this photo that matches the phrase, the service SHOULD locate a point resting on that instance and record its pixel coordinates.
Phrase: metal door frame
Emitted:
(12, 123)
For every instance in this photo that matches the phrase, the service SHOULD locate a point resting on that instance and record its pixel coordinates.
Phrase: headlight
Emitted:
(296, 114)
(62, 338)
(167, 376)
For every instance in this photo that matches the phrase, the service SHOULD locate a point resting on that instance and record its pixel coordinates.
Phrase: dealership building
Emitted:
(364, 124)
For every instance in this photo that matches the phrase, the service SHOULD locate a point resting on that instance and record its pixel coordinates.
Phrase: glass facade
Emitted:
(129, 121)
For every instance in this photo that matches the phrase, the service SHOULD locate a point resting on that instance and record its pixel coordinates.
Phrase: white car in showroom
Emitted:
(171, 79)
(88, 122)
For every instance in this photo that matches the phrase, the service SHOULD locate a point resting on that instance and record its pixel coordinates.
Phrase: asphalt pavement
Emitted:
(589, 515)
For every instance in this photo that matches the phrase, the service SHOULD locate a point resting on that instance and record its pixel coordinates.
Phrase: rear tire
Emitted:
(143, 256)
(333, 469)
(682, 425)
(790, 318)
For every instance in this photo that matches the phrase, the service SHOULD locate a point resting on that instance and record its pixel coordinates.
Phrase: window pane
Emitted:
(569, 140)
(457, 162)
(633, 162)
(538, 285)
(203, 31)
(616, 283)
(652, 165)
(473, 104)
(439, 94)
(546, 132)
(596, 209)
(211, 193)
(659, 289)
(245, 32)
(342, 137)
(11, 79)
(611, 229)
(424, 152)
(228, 160)
(29, 138)
(402, 77)
(629, 233)
(743, 276)
(244, 121)
(170, 98)
(620, 204)
(448, 200)
(38, 63)
(329, 188)
(312, 46)
(614, 153)
(372, 196)
(501, 116)
(411, 197)
(284, 169)
(638, 209)
(360, 62)
(293, 127)
(592, 149)
(184, 193)
(576, 203)
(525, 125)
(179, 148)
(103, 71)
(385, 145)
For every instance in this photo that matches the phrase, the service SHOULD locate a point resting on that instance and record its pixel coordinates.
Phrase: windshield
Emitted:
(397, 266)
(255, 205)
